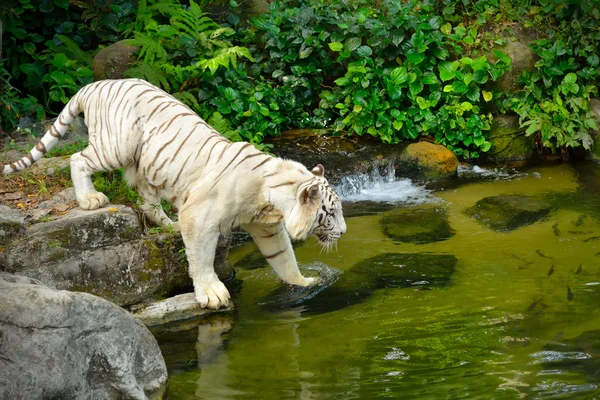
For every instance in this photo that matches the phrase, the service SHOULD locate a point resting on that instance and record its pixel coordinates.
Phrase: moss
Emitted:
(509, 142)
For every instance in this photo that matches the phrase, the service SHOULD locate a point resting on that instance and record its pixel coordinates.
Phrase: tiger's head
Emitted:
(322, 208)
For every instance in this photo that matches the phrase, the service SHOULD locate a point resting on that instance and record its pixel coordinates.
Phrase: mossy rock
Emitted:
(402, 270)
(417, 225)
(367, 207)
(508, 212)
(12, 225)
(509, 142)
(339, 290)
(568, 356)
(427, 162)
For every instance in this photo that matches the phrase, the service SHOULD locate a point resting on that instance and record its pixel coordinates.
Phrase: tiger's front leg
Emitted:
(274, 243)
(200, 232)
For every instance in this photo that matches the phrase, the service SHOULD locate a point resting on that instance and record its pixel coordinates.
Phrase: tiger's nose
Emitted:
(343, 227)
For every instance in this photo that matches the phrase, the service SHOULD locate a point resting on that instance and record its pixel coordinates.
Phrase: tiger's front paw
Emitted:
(212, 294)
(304, 282)
(93, 201)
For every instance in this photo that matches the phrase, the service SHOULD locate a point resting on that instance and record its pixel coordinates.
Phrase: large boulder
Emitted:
(509, 142)
(426, 161)
(104, 252)
(64, 345)
(112, 61)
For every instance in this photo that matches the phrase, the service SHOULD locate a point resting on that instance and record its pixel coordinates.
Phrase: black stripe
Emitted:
(41, 147)
(181, 170)
(271, 256)
(230, 161)
(56, 135)
(282, 184)
(264, 162)
(247, 157)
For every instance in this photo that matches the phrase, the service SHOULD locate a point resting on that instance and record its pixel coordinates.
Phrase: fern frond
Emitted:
(148, 73)
(150, 48)
(223, 126)
(188, 99)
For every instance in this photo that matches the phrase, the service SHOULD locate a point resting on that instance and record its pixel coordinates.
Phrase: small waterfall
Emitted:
(381, 185)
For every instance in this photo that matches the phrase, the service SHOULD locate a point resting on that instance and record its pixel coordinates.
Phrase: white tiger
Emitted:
(168, 152)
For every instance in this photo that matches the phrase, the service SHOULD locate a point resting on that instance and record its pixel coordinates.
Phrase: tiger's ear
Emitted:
(318, 171)
(300, 222)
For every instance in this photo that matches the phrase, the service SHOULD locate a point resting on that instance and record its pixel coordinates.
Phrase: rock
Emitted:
(594, 153)
(175, 309)
(112, 61)
(63, 345)
(103, 252)
(509, 142)
(403, 270)
(508, 212)
(366, 207)
(417, 225)
(343, 289)
(425, 161)
(522, 58)
(12, 225)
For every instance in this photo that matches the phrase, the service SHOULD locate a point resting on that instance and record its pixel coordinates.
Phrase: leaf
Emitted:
(414, 57)
(429, 78)
(364, 51)
(353, 43)
(336, 46)
(113, 209)
(416, 87)
(503, 57)
(570, 78)
(446, 71)
(399, 75)
(62, 3)
(305, 53)
(29, 47)
(487, 96)
(486, 146)
(343, 81)
(446, 28)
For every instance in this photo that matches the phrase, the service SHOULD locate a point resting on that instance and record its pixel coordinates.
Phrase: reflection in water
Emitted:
(514, 314)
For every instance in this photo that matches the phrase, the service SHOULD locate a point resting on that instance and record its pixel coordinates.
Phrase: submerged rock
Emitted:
(339, 289)
(508, 212)
(400, 270)
(63, 345)
(417, 225)
(254, 260)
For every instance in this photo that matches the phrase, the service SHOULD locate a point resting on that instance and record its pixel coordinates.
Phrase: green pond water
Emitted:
(423, 301)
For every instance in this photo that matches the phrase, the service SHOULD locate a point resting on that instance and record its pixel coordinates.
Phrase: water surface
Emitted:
(457, 310)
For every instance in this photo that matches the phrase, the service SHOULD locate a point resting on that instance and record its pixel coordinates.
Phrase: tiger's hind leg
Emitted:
(82, 168)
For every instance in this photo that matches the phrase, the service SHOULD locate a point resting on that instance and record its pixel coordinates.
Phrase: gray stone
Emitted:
(509, 142)
(522, 58)
(508, 212)
(12, 225)
(63, 345)
(175, 309)
(103, 252)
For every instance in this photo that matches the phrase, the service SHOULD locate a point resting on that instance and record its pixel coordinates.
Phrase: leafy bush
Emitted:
(554, 101)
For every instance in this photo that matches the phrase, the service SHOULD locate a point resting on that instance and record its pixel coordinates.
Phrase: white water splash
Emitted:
(497, 173)
(381, 185)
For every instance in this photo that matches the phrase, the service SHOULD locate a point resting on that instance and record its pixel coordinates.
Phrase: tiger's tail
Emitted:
(49, 140)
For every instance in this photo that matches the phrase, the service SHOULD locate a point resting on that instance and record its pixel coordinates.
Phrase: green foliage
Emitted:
(13, 105)
(555, 97)
(393, 71)
(188, 47)
(47, 45)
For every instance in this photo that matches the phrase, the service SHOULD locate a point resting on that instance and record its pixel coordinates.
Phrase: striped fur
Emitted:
(168, 152)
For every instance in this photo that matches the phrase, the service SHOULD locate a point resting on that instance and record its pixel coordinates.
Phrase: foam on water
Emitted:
(381, 185)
